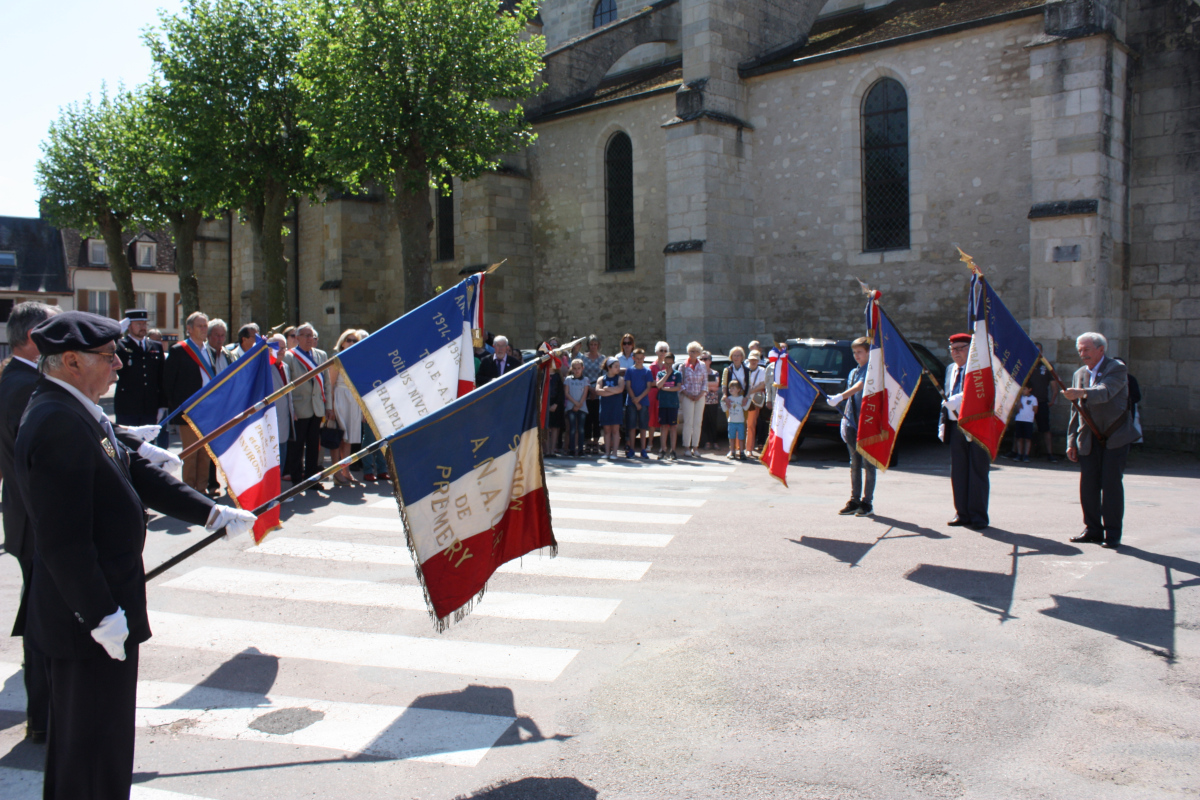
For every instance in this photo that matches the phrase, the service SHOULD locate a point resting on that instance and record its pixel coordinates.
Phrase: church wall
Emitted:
(574, 294)
(1164, 275)
(969, 139)
(567, 19)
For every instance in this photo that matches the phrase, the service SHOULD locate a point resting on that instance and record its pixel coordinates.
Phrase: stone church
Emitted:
(722, 171)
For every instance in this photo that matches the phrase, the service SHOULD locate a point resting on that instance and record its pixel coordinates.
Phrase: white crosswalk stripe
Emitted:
(533, 564)
(25, 784)
(640, 476)
(337, 591)
(623, 499)
(600, 484)
(392, 651)
(577, 536)
(400, 732)
(616, 515)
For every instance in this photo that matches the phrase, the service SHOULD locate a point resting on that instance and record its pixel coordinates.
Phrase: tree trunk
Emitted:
(184, 226)
(415, 218)
(111, 228)
(266, 220)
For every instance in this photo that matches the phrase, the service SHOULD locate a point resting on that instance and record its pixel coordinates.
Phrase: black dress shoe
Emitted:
(1087, 538)
(37, 737)
(978, 526)
(956, 522)
(1111, 545)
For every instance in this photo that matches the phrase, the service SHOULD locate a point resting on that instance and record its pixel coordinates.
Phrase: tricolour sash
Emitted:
(309, 366)
(206, 373)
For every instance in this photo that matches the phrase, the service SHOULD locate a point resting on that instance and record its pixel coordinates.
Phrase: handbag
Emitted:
(331, 435)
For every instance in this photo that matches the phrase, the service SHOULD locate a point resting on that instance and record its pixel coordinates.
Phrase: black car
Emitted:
(829, 363)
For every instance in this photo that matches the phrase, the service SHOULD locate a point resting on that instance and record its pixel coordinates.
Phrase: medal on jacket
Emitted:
(108, 448)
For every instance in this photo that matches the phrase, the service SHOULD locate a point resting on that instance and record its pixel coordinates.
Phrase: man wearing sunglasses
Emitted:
(85, 492)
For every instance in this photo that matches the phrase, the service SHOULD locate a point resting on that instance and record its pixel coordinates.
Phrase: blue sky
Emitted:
(53, 54)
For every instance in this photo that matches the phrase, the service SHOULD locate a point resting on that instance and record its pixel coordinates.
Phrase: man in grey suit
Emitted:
(1098, 437)
(309, 400)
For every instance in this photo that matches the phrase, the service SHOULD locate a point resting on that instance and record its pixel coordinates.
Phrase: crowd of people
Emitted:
(600, 405)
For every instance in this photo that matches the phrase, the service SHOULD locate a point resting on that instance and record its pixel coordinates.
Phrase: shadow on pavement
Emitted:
(249, 671)
(491, 700)
(911, 527)
(536, 789)
(24, 754)
(1038, 544)
(846, 552)
(1151, 629)
(990, 591)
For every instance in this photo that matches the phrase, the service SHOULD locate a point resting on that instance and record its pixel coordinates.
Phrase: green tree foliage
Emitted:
(87, 179)
(235, 107)
(404, 92)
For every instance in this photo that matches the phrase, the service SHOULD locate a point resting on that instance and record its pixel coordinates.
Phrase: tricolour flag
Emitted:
(471, 490)
(1001, 359)
(420, 362)
(893, 374)
(794, 400)
(248, 453)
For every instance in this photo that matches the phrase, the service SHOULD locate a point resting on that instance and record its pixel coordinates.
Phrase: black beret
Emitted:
(74, 330)
(957, 338)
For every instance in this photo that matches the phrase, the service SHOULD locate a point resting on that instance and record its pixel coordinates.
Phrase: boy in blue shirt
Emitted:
(638, 381)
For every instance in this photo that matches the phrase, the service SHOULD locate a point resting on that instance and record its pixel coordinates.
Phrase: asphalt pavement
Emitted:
(705, 632)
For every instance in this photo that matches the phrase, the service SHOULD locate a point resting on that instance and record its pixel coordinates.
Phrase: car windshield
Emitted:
(821, 360)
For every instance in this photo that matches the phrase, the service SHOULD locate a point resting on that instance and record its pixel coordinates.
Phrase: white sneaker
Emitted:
(729, 454)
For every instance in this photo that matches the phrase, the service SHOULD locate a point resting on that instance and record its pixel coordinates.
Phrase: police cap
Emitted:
(74, 330)
(137, 313)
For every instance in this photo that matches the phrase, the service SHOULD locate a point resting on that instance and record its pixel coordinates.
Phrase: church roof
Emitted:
(646, 81)
(889, 25)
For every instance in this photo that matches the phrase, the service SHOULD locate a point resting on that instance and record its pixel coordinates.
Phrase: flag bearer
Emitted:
(969, 462)
(85, 609)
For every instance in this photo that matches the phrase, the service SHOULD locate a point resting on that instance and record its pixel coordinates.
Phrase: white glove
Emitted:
(835, 400)
(163, 459)
(238, 524)
(952, 404)
(144, 432)
(111, 634)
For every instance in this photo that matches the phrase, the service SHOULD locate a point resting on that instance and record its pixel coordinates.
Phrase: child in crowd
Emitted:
(554, 414)
(610, 388)
(734, 405)
(638, 381)
(861, 494)
(1023, 424)
(669, 383)
(575, 390)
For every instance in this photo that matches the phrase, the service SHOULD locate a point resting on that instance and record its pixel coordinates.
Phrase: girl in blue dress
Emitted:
(611, 388)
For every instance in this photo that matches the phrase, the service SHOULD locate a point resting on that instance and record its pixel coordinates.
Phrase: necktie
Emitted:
(500, 363)
(958, 380)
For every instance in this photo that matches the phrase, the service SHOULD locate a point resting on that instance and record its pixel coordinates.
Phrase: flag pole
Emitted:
(1084, 414)
(937, 384)
(267, 506)
(259, 406)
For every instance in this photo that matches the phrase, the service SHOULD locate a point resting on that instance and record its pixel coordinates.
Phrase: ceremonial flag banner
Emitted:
(248, 453)
(794, 400)
(1001, 359)
(419, 363)
(471, 490)
(893, 374)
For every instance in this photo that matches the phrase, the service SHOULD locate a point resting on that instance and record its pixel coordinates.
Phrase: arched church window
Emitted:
(605, 12)
(885, 167)
(618, 205)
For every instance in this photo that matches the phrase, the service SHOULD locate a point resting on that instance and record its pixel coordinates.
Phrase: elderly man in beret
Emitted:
(969, 463)
(85, 491)
(1098, 437)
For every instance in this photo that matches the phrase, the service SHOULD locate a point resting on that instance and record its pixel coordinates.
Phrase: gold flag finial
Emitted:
(966, 259)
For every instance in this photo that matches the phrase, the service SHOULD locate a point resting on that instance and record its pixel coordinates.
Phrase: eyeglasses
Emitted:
(627, 341)
(109, 354)
(960, 347)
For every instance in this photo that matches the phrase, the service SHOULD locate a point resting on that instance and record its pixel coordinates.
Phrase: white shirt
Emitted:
(1028, 409)
(1093, 372)
(27, 362)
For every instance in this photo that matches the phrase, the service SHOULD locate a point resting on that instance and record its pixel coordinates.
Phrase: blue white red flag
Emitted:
(248, 453)
(893, 375)
(794, 400)
(471, 490)
(1001, 359)
(420, 362)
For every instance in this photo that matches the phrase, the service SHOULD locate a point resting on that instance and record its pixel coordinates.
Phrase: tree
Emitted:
(84, 172)
(405, 92)
(235, 106)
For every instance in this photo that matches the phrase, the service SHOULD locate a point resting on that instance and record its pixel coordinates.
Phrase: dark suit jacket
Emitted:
(16, 384)
(181, 379)
(85, 507)
(140, 381)
(1107, 401)
(489, 371)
